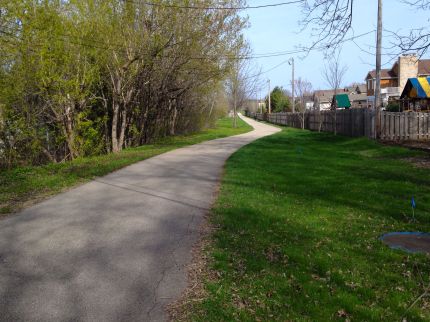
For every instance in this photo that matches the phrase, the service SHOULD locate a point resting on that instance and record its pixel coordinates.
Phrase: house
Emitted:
(252, 105)
(356, 93)
(393, 80)
(323, 98)
(307, 101)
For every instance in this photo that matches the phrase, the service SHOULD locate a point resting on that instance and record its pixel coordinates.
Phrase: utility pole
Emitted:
(292, 85)
(378, 101)
(260, 105)
(291, 62)
(269, 108)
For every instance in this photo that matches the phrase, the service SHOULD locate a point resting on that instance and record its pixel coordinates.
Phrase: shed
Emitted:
(342, 101)
(417, 88)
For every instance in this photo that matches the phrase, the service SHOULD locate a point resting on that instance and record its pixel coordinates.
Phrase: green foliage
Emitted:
(90, 134)
(87, 77)
(279, 100)
(393, 107)
(298, 224)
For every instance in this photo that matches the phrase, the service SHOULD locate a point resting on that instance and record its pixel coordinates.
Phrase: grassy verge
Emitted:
(22, 186)
(297, 226)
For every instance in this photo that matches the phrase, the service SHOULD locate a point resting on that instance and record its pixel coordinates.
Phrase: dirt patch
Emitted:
(418, 145)
(198, 272)
(419, 162)
(415, 145)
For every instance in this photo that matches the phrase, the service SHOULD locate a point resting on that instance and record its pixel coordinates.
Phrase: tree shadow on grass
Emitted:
(305, 204)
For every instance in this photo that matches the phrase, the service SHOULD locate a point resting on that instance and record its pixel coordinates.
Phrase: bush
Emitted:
(279, 100)
(393, 107)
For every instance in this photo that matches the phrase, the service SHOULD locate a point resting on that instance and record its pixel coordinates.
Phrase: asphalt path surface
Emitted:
(116, 248)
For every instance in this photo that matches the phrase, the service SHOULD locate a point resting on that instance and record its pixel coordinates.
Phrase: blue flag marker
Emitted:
(413, 205)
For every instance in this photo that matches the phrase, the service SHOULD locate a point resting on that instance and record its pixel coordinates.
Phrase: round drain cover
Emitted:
(412, 242)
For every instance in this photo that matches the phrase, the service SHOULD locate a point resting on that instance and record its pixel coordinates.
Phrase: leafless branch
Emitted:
(329, 21)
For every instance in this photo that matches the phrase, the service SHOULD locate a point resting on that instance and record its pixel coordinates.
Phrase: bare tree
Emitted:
(329, 20)
(243, 82)
(302, 89)
(333, 74)
(416, 40)
(420, 4)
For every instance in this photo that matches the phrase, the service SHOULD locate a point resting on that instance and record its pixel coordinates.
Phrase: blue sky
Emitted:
(276, 29)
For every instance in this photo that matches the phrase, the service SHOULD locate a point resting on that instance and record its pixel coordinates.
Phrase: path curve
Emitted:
(114, 249)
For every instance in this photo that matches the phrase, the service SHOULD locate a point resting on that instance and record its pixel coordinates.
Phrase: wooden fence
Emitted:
(405, 126)
(356, 122)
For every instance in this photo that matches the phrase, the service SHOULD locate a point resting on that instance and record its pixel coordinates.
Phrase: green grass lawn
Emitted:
(22, 186)
(297, 226)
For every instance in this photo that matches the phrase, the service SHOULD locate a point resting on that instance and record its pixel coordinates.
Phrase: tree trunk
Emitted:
(234, 111)
(115, 114)
(122, 129)
(64, 116)
(70, 135)
(173, 120)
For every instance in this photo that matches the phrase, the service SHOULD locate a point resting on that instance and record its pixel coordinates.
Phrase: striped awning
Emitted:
(417, 88)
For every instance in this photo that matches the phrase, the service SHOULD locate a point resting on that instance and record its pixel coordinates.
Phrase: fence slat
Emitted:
(356, 122)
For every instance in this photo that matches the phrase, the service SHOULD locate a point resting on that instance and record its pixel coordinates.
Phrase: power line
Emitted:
(107, 46)
(268, 70)
(165, 5)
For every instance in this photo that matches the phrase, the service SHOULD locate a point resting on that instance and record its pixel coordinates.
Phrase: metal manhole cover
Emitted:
(412, 242)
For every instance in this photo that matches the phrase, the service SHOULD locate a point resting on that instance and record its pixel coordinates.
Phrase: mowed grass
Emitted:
(23, 186)
(298, 222)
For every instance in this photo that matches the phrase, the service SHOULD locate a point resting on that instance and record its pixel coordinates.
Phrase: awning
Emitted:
(342, 100)
(417, 88)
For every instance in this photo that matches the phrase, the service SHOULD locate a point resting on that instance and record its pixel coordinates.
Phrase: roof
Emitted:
(424, 67)
(423, 70)
(342, 100)
(356, 92)
(361, 88)
(324, 92)
(417, 88)
(357, 97)
(324, 95)
(356, 89)
(385, 73)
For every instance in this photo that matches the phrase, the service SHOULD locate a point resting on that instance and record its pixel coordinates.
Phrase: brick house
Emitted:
(393, 80)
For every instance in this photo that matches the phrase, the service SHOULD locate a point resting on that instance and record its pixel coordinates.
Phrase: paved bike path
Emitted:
(113, 249)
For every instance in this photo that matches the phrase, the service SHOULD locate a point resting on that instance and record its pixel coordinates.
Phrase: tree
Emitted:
(303, 89)
(329, 20)
(333, 74)
(89, 77)
(417, 40)
(243, 81)
(279, 100)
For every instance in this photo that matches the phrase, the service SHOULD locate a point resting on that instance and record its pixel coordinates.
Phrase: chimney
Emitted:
(408, 68)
